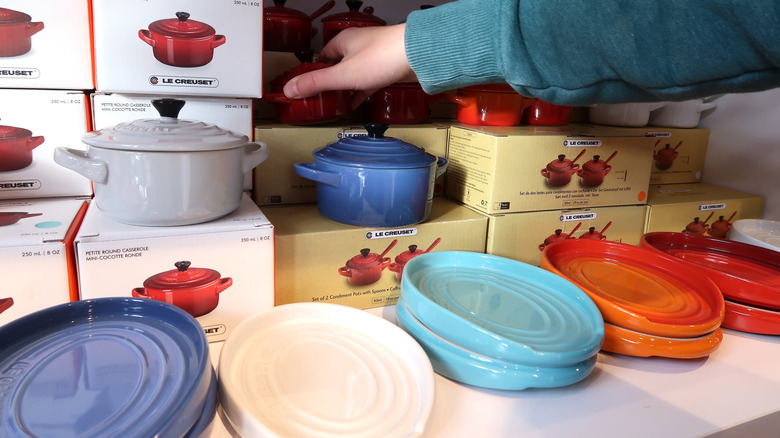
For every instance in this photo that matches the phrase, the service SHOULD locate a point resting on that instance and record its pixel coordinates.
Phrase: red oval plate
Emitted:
(746, 318)
(631, 343)
(639, 289)
(746, 273)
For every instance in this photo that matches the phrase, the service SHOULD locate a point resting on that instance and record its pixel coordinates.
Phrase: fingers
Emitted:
(317, 81)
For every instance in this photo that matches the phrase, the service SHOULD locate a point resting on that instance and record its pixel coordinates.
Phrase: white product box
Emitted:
(230, 276)
(36, 251)
(194, 47)
(232, 114)
(46, 44)
(32, 124)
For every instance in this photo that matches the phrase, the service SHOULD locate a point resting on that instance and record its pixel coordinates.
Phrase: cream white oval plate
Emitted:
(326, 370)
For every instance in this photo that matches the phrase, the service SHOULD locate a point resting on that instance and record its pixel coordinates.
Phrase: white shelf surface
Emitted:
(733, 392)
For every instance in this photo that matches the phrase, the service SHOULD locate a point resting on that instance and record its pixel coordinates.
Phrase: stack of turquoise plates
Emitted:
(498, 323)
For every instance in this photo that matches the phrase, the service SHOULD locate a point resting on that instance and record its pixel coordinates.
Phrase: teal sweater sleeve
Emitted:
(580, 52)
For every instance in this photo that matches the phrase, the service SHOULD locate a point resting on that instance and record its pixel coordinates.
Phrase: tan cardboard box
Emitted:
(36, 249)
(700, 207)
(523, 236)
(533, 168)
(275, 180)
(321, 260)
(678, 154)
(230, 275)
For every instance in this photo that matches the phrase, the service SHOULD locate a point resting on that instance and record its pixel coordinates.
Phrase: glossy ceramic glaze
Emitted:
(16, 147)
(16, 31)
(639, 289)
(166, 171)
(759, 232)
(373, 180)
(489, 105)
(632, 343)
(685, 114)
(457, 363)
(623, 114)
(289, 30)
(334, 371)
(182, 42)
(547, 114)
(106, 367)
(502, 308)
(354, 17)
(745, 273)
(751, 319)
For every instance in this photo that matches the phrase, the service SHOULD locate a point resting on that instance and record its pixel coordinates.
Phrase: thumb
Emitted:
(313, 82)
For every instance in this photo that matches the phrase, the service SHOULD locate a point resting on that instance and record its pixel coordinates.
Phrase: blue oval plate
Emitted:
(502, 308)
(104, 367)
(461, 365)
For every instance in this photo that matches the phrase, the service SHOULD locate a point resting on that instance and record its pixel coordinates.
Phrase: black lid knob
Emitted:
(168, 107)
(305, 55)
(596, 158)
(376, 130)
(561, 157)
(412, 248)
(183, 16)
(280, 2)
(354, 5)
(365, 252)
(182, 265)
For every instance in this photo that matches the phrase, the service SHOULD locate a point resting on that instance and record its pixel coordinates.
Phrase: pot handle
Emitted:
(79, 162)
(441, 166)
(395, 267)
(34, 142)
(224, 283)
(345, 271)
(460, 100)
(546, 173)
(309, 171)
(140, 292)
(34, 28)
(385, 263)
(217, 41)
(146, 36)
(254, 154)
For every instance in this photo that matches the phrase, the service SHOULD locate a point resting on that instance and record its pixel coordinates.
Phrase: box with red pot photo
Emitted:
(523, 236)
(33, 123)
(200, 47)
(220, 272)
(46, 44)
(319, 260)
(511, 169)
(36, 242)
(699, 208)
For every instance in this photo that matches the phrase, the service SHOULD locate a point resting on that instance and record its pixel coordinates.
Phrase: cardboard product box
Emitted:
(533, 168)
(318, 260)
(523, 236)
(32, 124)
(703, 208)
(46, 44)
(221, 272)
(195, 47)
(275, 180)
(232, 114)
(36, 249)
(678, 154)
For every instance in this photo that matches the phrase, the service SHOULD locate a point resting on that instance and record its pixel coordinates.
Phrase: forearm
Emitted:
(576, 52)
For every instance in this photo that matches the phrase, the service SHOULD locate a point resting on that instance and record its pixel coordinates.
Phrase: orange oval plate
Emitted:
(631, 343)
(639, 289)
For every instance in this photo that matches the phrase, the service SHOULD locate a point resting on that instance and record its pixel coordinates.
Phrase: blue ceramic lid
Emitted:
(374, 150)
(502, 308)
(104, 367)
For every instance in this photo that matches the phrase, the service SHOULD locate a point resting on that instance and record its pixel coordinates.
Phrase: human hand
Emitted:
(367, 59)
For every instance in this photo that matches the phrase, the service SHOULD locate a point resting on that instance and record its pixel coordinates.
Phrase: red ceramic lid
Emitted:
(297, 70)
(562, 163)
(408, 255)
(9, 16)
(366, 259)
(10, 133)
(182, 27)
(354, 15)
(595, 165)
(278, 10)
(183, 277)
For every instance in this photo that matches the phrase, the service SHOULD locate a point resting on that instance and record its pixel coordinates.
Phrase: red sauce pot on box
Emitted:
(404, 257)
(489, 104)
(323, 107)
(16, 146)
(401, 103)
(333, 24)
(289, 30)
(182, 42)
(16, 30)
(195, 290)
(592, 172)
(559, 172)
(366, 267)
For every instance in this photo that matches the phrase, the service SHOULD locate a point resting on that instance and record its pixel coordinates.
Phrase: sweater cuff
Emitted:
(447, 51)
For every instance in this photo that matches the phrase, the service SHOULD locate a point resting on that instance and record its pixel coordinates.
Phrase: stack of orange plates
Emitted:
(652, 304)
(747, 275)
